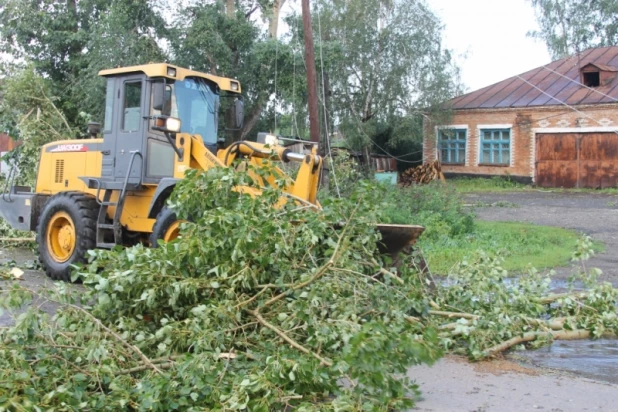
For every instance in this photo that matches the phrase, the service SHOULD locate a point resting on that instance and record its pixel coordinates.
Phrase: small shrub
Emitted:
(435, 206)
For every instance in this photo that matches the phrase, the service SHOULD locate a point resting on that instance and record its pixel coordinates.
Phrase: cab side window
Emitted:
(109, 105)
(132, 106)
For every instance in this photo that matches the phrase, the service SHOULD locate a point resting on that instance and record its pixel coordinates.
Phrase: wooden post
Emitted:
(314, 126)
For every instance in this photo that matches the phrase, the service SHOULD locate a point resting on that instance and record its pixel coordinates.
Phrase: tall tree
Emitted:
(570, 26)
(210, 38)
(69, 41)
(384, 63)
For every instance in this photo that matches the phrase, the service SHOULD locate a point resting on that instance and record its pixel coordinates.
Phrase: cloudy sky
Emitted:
(490, 36)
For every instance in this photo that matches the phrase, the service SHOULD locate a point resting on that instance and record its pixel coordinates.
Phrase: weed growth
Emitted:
(435, 206)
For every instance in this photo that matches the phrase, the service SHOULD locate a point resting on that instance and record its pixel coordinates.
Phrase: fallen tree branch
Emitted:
(286, 338)
(552, 298)
(167, 362)
(391, 275)
(453, 314)
(126, 344)
(553, 324)
(166, 365)
(530, 336)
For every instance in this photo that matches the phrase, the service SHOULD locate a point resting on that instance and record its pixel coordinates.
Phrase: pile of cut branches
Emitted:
(481, 311)
(422, 174)
(258, 307)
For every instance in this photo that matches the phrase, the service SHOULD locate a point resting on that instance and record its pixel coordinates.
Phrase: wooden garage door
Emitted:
(577, 160)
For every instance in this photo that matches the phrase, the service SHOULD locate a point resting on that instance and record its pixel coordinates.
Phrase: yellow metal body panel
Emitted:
(64, 162)
(195, 155)
(303, 188)
(160, 70)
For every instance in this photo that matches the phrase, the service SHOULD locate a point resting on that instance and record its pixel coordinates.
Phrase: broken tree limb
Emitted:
(554, 324)
(286, 338)
(552, 298)
(530, 336)
(453, 314)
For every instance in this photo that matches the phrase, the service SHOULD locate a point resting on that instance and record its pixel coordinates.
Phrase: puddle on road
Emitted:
(596, 359)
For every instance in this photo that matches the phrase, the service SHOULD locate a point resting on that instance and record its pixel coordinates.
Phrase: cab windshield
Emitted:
(196, 103)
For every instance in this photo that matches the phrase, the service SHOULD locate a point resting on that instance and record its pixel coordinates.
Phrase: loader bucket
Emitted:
(396, 238)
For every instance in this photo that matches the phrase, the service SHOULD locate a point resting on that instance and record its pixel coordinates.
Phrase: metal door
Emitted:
(132, 120)
(581, 160)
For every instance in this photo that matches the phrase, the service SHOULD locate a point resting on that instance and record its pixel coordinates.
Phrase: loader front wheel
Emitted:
(66, 231)
(166, 227)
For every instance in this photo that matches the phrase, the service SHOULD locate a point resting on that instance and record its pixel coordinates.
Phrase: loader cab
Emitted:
(136, 98)
(130, 111)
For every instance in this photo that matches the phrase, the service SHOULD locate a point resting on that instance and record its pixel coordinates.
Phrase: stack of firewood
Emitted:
(422, 174)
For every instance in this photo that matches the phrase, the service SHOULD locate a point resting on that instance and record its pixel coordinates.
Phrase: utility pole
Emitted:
(314, 126)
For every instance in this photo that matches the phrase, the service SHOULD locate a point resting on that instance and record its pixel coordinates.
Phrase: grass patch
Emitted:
(520, 244)
(479, 184)
(452, 235)
(506, 184)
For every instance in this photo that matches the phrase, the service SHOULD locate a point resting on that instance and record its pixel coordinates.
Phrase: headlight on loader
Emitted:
(173, 124)
(167, 124)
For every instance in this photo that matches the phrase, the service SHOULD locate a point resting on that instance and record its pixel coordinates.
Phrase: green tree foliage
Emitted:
(262, 308)
(382, 63)
(31, 111)
(571, 26)
(207, 38)
(68, 42)
(255, 307)
(386, 66)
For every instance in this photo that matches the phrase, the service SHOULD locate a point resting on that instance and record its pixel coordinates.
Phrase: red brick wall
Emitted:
(6, 143)
(524, 123)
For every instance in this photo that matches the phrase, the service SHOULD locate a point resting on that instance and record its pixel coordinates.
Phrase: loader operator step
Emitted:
(94, 183)
(107, 231)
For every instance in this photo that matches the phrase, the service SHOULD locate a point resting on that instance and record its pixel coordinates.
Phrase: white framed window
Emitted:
(452, 145)
(495, 146)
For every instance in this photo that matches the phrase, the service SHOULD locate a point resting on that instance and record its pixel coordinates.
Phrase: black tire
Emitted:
(81, 210)
(165, 219)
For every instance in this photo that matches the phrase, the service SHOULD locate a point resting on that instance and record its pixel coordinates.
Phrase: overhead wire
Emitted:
(561, 102)
(581, 84)
(326, 130)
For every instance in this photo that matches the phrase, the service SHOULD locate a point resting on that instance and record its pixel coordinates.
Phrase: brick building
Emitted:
(555, 126)
(6, 144)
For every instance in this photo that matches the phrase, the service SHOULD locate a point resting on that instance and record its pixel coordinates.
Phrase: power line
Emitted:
(581, 84)
(560, 101)
(327, 137)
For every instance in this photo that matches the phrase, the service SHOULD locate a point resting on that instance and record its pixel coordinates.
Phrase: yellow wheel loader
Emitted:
(160, 121)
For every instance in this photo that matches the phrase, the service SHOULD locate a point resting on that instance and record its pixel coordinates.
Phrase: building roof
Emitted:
(553, 84)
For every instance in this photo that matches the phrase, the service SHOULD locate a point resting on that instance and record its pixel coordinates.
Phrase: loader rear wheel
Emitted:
(66, 231)
(166, 227)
